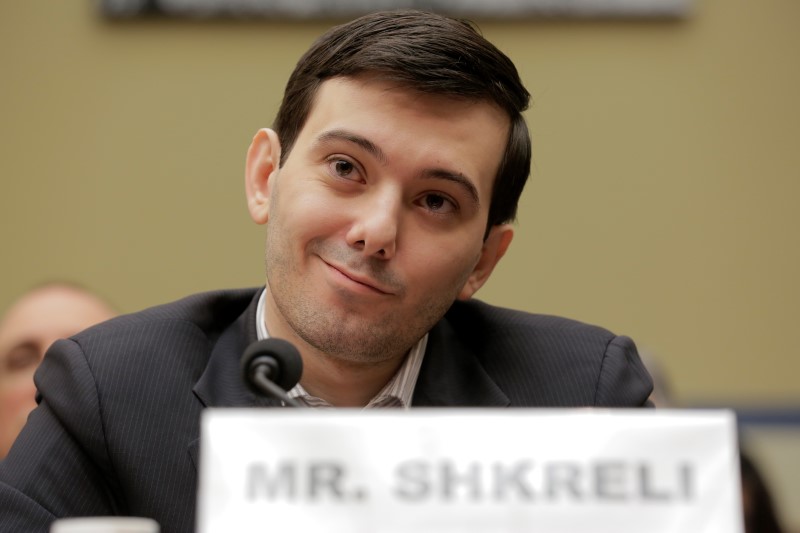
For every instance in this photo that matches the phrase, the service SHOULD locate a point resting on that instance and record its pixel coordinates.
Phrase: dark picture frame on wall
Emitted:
(317, 9)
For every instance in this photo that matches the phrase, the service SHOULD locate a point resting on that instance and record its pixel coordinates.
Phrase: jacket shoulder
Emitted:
(176, 338)
(489, 323)
(208, 313)
(545, 360)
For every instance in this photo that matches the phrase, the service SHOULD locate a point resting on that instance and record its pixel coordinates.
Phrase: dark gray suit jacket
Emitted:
(117, 427)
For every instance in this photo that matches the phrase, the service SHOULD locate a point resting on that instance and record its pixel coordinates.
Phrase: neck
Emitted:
(346, 384)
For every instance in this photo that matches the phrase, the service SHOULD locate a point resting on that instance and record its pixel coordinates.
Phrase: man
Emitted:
(398, 156)
(32, 323)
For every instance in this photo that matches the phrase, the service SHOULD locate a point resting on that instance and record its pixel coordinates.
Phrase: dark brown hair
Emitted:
(429, 53)
(760, 514)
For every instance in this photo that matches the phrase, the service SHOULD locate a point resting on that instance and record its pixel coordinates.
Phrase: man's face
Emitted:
(26, 331)
(377, 218)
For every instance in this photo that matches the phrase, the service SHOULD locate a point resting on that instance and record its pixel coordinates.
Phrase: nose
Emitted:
(375, 226)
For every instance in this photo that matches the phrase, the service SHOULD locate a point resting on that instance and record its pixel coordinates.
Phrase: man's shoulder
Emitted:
(202, 316)
(543, 360)
(205, 310)
(507, 340)
(171, 343)
(485, 319)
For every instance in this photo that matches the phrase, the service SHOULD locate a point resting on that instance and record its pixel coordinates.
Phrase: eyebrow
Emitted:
(455, 177)
(374, 150)
(363, 142)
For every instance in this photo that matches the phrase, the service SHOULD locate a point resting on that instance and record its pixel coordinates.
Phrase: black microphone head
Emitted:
(282, 359)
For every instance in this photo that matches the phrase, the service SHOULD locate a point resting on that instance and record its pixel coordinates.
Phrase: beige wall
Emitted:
(663, 203)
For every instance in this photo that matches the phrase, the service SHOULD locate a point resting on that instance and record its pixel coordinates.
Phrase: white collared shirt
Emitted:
(396, 393)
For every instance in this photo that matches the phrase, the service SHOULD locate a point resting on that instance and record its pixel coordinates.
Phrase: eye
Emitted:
(438, 203)
(343, 168)
(22, 357)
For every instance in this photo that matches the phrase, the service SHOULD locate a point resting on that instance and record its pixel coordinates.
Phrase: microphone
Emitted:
(271, 367)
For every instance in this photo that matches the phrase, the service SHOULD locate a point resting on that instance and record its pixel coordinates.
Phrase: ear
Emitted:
(261, 167)
(494, 248)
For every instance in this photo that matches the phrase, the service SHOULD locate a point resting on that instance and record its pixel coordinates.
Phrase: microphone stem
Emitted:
(271, 389)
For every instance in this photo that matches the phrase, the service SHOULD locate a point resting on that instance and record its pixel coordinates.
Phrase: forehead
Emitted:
(49, 314)
(413, 127)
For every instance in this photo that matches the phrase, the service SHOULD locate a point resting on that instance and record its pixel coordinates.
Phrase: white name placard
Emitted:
(468, 470)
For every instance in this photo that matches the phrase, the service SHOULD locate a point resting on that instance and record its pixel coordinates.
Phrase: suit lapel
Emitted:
(452, 375)
(221, 384)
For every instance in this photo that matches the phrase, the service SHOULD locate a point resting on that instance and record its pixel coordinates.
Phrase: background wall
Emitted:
(662, 203)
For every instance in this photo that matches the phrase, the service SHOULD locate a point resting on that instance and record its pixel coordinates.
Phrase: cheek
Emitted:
(296, 230)
(303, 203)
(307, 215)
(445, 263)
(17, 396)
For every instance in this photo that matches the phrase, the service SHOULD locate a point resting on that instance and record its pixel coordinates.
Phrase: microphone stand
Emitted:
(269, 388)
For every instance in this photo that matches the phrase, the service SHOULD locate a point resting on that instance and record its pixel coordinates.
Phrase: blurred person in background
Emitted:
(661, 397)
(29, 326)
(760, 515)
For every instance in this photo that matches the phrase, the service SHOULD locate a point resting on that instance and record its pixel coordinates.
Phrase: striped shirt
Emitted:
(396, 393)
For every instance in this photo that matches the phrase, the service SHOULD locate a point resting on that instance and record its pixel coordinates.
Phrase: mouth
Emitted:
(366, 282)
